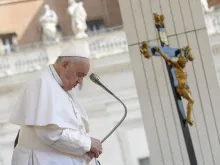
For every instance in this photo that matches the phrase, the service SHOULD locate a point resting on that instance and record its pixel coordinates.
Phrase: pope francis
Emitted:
(53, 125)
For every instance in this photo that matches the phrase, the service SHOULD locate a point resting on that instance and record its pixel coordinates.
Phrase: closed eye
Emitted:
(79, 74)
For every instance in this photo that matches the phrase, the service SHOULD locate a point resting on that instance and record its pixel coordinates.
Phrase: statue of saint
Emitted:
(78, 18)
(49, 23)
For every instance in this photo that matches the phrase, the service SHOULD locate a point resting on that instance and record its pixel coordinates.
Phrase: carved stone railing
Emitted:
(22, 62)
(112, 43)
(212, 20)
(32, 57)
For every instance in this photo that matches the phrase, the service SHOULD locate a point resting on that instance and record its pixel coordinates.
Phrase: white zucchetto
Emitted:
(76, 49)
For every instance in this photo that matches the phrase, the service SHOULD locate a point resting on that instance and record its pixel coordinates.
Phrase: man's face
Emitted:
(73, 73)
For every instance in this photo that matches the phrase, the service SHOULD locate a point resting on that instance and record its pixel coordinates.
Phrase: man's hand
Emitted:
(96, 148)
(91, 155)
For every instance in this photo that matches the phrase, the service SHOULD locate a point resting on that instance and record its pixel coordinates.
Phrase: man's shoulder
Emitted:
(39, 78)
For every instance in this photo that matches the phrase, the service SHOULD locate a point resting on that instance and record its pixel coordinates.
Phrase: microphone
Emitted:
(95, 78)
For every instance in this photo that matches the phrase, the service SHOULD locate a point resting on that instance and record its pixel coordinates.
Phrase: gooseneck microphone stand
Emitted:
(97, 81)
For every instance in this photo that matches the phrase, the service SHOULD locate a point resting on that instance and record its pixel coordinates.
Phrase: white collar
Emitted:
(56, 76)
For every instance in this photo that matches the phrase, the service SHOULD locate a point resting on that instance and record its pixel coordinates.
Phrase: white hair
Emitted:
(71, 59)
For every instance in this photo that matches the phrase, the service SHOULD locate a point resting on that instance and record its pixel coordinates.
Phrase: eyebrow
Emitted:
(82, 73)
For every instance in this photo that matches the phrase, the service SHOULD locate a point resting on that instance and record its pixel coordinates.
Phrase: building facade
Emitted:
(19, 19)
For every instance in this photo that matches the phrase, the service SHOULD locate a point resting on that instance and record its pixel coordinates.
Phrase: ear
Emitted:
(65, 64)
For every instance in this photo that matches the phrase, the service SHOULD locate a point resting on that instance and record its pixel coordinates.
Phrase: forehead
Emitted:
(82, 65)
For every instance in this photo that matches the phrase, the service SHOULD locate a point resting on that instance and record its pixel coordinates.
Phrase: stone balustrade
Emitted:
(22, 62)
(212, 20)
(112, 43)
(32, 57)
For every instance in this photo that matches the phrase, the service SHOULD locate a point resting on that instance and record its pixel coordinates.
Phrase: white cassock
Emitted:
(54, 125)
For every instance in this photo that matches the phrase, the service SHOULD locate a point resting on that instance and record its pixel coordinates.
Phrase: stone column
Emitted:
(185, 25)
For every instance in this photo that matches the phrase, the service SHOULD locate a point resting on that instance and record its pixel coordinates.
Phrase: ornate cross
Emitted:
(177, 76)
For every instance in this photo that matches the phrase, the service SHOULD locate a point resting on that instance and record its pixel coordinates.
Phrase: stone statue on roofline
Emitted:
(78, 18)
(49, 24)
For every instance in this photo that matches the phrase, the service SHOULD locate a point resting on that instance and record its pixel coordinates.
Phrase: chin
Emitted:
(72, 88)
(65, 89)
(69, 89)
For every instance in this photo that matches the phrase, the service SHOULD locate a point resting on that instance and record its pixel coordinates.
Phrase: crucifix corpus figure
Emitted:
(181, 75)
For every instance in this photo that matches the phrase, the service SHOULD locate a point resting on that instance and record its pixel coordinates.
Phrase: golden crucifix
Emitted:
(184, 55)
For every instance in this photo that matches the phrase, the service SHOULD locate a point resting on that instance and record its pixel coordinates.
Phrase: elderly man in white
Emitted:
(54, 126)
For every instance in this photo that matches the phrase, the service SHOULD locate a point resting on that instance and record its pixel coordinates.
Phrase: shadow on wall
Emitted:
(32, 33)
